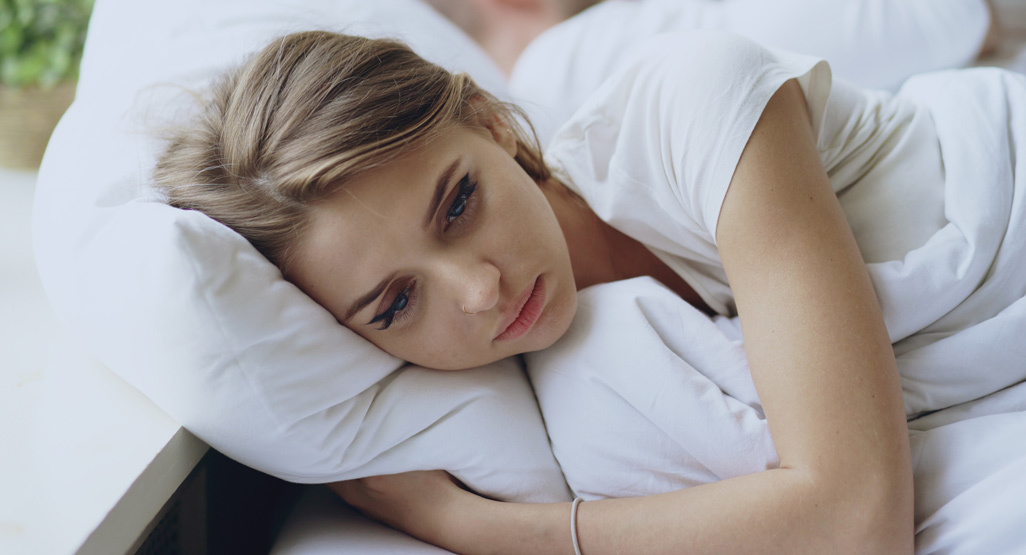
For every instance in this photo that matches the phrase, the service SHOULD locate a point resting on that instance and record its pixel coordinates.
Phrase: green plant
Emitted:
(41, 40)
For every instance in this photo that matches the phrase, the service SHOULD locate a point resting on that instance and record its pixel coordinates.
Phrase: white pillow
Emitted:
(676, 409)
(187, 311)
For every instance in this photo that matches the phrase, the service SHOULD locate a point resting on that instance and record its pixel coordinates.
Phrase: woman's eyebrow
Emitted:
(443, 180)
(367, 299)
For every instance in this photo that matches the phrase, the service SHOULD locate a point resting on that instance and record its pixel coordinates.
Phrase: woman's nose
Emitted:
(476, 286)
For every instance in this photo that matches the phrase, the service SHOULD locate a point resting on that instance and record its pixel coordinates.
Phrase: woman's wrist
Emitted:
(461, 523)
(475, 524)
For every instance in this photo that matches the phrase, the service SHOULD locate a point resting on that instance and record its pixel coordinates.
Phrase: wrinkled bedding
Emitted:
(677, 409)
(645, 394)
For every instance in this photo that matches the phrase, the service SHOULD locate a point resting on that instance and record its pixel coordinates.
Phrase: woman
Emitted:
(411, 205)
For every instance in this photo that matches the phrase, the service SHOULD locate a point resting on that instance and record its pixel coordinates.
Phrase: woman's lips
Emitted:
(526, 312)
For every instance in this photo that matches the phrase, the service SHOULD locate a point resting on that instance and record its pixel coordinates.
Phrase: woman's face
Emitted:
(450, 257)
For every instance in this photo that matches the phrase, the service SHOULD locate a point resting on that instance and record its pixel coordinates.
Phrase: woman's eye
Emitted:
(459, 204)
(456, 210)
(400, 301)
(398, 305)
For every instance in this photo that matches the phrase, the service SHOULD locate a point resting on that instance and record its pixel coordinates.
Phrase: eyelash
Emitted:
(403, 302)
(465, 199)
(398, 310)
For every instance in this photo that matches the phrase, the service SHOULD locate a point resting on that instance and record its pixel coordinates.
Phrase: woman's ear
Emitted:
(495, 123)
(502, 133)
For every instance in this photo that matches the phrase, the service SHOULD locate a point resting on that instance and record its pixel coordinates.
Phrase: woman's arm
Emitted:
(814, 335)
(821, 361)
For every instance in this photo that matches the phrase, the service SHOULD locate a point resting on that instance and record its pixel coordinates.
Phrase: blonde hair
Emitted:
(308, 113)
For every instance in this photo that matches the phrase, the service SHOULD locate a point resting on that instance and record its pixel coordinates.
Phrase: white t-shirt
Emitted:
(654, 149)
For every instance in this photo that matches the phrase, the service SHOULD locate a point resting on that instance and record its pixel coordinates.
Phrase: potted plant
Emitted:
(40, 48)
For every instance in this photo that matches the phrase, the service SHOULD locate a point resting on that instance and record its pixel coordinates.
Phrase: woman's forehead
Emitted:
(365, 217)
(377, 218)
(347, 248)
(358, 234)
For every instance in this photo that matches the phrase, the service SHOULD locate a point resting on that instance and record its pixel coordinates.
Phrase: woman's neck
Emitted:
(599, 253)
(590, 246)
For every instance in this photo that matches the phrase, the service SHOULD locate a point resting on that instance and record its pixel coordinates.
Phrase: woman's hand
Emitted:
(418, 503)
(434, 507)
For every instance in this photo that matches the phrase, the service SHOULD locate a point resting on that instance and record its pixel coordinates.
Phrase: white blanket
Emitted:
(645, 394)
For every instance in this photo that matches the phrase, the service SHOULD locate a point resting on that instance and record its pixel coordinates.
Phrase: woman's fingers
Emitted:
(409, 501)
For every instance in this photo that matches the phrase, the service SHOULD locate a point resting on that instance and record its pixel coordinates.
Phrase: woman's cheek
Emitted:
(442, 347)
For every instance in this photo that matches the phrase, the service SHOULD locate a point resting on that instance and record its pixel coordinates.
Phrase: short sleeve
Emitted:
(662, 138)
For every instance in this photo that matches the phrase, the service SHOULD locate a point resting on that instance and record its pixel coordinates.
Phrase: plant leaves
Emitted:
(41, 41)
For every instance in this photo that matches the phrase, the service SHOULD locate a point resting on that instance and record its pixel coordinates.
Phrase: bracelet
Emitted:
(573, 525)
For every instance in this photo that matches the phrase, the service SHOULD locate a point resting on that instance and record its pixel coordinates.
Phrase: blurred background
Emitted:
(40, 48)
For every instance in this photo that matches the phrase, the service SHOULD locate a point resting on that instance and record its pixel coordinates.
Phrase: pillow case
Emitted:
(676, 409)
(191, 314)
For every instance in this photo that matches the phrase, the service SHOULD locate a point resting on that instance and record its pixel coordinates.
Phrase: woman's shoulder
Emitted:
(676, 116)
(695, 76)
(707, 59)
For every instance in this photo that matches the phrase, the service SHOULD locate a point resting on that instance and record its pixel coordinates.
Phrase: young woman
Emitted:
(412, 205)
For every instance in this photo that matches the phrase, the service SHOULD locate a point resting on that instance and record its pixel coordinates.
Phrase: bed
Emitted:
(164, 298)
